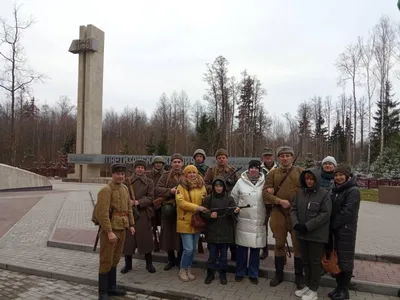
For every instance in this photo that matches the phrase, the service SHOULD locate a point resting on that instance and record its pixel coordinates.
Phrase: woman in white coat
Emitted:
(250, 229)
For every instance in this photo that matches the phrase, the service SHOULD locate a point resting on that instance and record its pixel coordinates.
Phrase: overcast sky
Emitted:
(161, 46)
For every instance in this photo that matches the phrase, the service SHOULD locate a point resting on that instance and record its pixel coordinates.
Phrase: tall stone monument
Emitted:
(90, 48)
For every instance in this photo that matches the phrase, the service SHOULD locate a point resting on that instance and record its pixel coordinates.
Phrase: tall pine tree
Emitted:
(388, 109)
(337, 143)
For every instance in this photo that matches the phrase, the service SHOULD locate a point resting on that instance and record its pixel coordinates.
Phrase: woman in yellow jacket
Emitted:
(189, 197)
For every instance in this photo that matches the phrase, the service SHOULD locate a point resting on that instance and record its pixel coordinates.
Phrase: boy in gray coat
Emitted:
(310, 218)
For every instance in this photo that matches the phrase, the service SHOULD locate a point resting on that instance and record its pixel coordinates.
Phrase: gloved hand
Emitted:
(300, 228)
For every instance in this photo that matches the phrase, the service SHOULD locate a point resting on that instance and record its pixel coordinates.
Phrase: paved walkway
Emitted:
(20, 286)
(24, 248)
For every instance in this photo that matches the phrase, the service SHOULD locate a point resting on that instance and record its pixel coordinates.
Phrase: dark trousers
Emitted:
(218, 257)
(311, 253)
(242, 254)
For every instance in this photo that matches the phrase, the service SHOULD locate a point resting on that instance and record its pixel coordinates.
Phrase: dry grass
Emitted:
(369, 195)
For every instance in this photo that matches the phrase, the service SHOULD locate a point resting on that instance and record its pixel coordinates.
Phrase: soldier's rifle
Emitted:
(280, 208)
(224, 209)
(227, 178)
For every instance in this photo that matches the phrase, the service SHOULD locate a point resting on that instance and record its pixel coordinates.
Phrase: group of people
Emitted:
(317, 206)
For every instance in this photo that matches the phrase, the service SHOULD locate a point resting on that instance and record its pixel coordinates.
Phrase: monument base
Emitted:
(102, 180)
(83, 173)
(389, 194)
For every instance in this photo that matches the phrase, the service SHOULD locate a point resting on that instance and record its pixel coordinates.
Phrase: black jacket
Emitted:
(345, 207)
(312, 207)
(222, 229)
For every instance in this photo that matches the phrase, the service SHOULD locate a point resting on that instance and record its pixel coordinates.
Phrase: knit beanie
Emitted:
(176, 156)
(221, 152)
(190, 168)
(330, 159)
(255, 164)
(344, 169)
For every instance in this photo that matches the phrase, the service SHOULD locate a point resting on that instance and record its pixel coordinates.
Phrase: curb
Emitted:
(326, 281)
(393, 259)
(29, 189)
(81, 280)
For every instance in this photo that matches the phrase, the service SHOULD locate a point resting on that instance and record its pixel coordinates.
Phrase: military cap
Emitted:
(268, 151)
(221, 152)
(176, 156)
(158, 159)
(199, 151)
(140, 162)
(285, 149)
(118, 168)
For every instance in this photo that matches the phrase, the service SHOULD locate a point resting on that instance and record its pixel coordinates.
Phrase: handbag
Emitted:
(197, 222)
(330, 261)
(136, 213)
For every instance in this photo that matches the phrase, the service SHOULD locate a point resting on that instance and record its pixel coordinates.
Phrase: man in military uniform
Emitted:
(280, 215)
(165, 191)
(141, 191)
(221, 169)
(224, 170)
(114, 214)
(199, 157)
(268, 164)
(155, 174)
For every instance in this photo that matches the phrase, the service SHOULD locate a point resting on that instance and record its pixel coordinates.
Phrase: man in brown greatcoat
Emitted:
(223, 169)
(113, 212)
(141, 191)
(165, 198)
(268, 164)
(281, 223)
(155, 174)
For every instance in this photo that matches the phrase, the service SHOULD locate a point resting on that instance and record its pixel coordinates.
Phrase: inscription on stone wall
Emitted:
(130, 159)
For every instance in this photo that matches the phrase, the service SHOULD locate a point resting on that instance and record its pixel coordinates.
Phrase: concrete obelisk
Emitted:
(90, 48)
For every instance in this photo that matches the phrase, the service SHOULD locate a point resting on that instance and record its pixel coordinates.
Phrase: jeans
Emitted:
(242, 254)
(218, 257)
(311, 253)
(189, 243)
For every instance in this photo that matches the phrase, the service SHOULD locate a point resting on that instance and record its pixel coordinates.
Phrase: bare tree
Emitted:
(362, 113)
(17, 75)
(368, 66)
(385, 41)
(348, 65)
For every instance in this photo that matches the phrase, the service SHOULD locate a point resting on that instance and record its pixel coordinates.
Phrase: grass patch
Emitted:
(369, 195)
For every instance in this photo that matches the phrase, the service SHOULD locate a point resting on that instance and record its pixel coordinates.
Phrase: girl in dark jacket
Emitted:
(345, 206)
(310, 215)
(220, 230)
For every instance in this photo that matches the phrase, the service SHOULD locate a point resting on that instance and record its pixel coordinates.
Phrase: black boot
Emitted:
(264, 253)
(103, 286)
(128, 264)
(279, 264)
(113, 290)
(171, 261)
(210, 276)
(298, 271)
(149, 263)
(334, 291)
(222, 277)
(343, 287)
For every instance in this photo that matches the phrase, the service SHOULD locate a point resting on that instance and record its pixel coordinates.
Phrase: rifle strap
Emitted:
(131, 190)
(283, 180)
